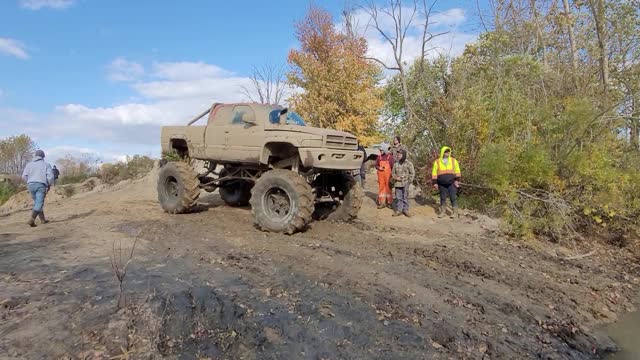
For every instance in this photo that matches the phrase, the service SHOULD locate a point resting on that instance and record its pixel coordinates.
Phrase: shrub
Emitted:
(135, 167)
(68, 190)
(73, 179)
(7, 190)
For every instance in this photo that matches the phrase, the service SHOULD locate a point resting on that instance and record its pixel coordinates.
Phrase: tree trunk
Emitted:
(598, 13)
(572, 41)
(539, 34)
(634, 124)
(635, 134)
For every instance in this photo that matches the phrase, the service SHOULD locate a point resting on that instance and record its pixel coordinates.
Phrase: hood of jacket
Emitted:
(443, 150)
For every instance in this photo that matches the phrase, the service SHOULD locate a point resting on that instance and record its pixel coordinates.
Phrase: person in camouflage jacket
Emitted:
(402, 175)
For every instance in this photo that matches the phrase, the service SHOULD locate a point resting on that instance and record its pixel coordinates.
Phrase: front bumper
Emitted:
(324, 158)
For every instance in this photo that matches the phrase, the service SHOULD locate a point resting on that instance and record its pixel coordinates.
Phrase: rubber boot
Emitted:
(443, 211)
(32, 220)
(43, 220)
(454, 214)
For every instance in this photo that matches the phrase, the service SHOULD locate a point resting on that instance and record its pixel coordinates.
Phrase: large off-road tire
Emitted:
(347, 189)
(178, 187)
(282, 201)
(237, 193)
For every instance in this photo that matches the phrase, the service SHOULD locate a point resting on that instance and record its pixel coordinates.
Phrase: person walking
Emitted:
(39, 176)
(56, 175)
(403, 174)
(445, 177)
(384, 165)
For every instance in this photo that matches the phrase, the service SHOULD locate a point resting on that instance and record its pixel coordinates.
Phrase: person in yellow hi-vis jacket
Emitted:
(445, 177)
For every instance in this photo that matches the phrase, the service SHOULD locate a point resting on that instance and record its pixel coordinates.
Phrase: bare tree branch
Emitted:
(396, 38)
(119, 267)
(382, 63)
(267, 85)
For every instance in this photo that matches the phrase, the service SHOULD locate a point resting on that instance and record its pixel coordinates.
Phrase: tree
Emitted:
(75, 169)
(339, 85)
(268, 85)
(538, 148)
(15, 153)
(404, 18)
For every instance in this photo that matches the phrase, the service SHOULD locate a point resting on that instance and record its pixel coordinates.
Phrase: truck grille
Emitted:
(341, 142)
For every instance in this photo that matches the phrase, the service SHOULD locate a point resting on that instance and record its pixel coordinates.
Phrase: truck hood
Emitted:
(308, 130)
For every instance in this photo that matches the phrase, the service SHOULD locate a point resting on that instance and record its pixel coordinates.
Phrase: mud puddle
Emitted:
(626, 334)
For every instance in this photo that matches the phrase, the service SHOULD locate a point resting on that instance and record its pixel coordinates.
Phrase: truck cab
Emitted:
(259, 134)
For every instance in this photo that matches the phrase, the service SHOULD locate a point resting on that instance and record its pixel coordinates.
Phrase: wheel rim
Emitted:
(171, 187)
(277, 204)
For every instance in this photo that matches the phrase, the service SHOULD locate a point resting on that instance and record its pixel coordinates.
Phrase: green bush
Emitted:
(135, 167)
(73, 179)
(68, 190)
(7, 190)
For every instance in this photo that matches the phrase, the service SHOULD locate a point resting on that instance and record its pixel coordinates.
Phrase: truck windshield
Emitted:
(291, 119)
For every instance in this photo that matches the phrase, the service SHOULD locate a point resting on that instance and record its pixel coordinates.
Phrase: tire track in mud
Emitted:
(444, 304)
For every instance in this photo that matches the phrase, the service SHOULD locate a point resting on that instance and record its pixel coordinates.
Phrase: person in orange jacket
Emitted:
(445, 177)
(384, 164)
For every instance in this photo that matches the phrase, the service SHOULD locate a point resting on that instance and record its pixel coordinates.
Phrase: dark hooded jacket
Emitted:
(403, 172)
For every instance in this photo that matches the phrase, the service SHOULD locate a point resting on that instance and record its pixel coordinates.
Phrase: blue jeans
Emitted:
(402, 199)
(38, 192)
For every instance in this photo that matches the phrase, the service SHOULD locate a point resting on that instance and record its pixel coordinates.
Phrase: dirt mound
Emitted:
(23, 201)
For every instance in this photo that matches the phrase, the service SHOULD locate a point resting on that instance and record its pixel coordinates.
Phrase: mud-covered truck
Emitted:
(264, 156)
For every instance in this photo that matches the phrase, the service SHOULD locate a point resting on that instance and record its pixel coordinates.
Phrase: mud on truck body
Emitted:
(265, 156)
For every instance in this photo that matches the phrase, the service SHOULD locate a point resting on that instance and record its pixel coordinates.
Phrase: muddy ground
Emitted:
(208, 285)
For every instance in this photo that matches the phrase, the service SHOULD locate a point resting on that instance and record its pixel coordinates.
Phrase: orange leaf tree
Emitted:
(339, 85)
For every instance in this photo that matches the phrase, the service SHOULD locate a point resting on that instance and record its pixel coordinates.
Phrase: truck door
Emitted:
(244, 139)
(215, 136)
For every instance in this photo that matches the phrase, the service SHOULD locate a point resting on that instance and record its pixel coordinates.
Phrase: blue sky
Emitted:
(101, 77)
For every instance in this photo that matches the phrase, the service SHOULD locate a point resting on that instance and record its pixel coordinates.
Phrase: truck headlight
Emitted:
(311, 143)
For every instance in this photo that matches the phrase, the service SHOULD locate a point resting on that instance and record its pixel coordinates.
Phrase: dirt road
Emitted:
(209, 285)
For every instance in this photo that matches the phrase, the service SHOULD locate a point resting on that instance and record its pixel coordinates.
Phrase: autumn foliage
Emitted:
(545, 130)
(339, 85)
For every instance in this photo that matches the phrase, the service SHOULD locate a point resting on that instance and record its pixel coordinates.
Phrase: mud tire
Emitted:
(288, 186)
(352, 200)
(178, 187)
(237, 194)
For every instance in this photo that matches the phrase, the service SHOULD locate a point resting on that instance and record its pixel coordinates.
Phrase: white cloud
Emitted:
(94, 156)
(451, 43)
(167, 98)
(13, 47)
(39, 4)
(187, 70)
(121, 69)
(450, 17)
(220, 89)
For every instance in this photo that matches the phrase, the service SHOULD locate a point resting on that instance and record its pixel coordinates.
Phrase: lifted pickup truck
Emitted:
(265, 156)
